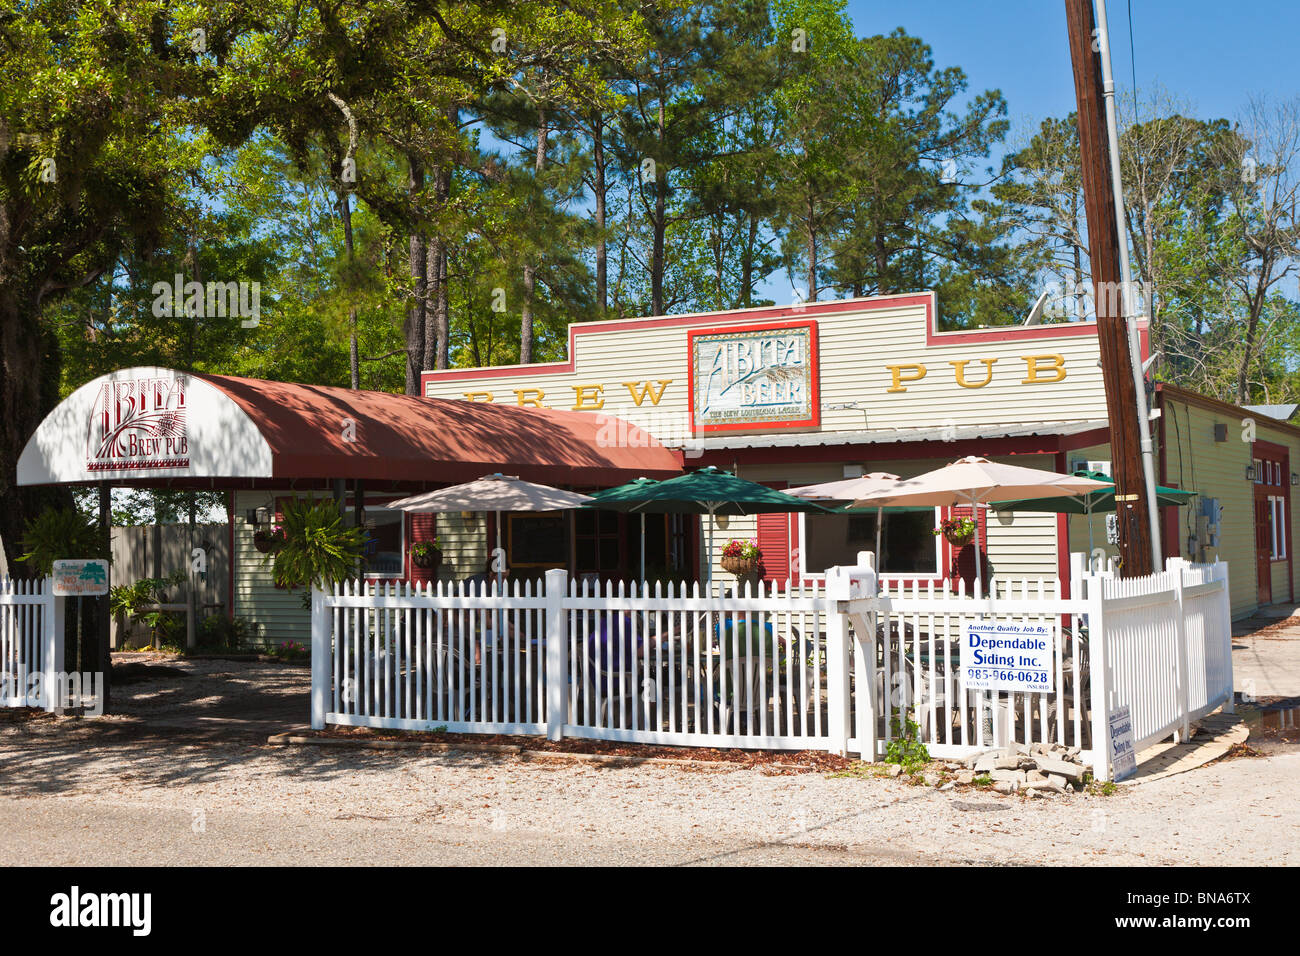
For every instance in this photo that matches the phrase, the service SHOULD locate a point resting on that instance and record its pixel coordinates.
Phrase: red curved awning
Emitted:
(408, 438)
(155, 426)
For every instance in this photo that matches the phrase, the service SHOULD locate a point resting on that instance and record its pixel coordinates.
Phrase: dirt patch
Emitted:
(23, 715)
(773, 761)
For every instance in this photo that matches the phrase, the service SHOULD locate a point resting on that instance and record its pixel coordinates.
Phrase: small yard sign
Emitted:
(80, 577)
(1007, 655)
(1123, 758)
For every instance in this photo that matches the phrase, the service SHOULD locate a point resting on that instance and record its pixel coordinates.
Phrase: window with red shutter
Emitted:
(778, 537)
(959, 563)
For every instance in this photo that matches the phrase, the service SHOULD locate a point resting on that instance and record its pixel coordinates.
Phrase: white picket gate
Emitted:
(830, 667)
(1168, 651)
(917, 669)
(31, 643)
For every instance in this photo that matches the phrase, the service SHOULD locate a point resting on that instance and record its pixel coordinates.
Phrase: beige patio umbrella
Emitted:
(975, 481)
(850, 490)
(496, 493)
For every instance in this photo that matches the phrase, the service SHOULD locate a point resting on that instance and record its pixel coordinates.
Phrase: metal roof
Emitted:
(891, 436)
(1282, 413)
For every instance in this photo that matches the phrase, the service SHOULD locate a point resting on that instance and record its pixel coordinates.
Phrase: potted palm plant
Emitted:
(319, 549)
(741, 557)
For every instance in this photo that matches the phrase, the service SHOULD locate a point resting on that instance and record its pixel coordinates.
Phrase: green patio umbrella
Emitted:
(614, 492)
(1094, 502)
(709, 491)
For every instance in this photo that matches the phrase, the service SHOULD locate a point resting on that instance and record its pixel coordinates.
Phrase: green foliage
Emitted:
(905, 747)
(217, 632)
(58, 533)
(320, 549)
(128, 599)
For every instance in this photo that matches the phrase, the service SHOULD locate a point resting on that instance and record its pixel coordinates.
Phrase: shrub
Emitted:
(58, 533)
(319, 548)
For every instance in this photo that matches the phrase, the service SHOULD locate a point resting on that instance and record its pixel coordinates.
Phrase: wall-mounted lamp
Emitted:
(1295, 479)
(1250, 472)
(467, 515)
(721, 521)
(256, 516)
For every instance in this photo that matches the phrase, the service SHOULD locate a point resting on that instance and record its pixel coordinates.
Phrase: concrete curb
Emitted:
(290, 738)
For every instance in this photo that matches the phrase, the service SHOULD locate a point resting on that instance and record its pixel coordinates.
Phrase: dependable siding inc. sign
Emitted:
(1007, 655)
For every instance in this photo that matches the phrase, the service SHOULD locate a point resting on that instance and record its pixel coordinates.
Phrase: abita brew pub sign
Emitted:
(755, 377)
(139, 424)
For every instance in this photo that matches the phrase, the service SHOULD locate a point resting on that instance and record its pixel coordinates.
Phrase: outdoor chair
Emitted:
(607, 672)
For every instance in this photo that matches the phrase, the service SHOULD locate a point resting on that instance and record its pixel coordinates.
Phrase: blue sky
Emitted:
(1213, 55)
(1210, 56)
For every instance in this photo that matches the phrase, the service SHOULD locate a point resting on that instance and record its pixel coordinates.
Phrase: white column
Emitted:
(1098, 679)
(52, 643)
(557, 654)
(865, 584)
(322, 658)
(839, 712)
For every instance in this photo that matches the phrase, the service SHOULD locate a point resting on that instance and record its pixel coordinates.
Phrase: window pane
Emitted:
(906, 540)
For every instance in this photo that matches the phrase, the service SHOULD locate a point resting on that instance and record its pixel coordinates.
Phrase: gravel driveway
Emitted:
(129, 790)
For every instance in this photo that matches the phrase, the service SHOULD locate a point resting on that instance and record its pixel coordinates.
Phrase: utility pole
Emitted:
(1130, 299)
(1110, 295)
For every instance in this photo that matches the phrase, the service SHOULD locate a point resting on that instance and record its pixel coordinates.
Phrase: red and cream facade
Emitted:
(801, 394)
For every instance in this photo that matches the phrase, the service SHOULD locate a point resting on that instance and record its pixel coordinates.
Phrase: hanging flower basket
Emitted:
(269, 542)
(425, 555)
(741, 557)
(959, 532)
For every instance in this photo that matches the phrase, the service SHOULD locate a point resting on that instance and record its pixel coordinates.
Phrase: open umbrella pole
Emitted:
(708, 560)
(880, 564)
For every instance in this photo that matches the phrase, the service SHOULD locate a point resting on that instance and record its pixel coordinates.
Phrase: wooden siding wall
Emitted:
(644, 352)
(1193, 459)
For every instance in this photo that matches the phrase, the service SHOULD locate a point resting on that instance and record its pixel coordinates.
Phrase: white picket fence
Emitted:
(833, 667)
(632, 663)
(31, 642)
(1168, 651)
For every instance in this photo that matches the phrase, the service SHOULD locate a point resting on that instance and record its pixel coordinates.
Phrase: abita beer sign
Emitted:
(755, 377)
(137, 424)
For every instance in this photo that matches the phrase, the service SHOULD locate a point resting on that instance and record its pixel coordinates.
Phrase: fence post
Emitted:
(838, 709)
(865, 585)
(1098, 678)
(322, 657)
(1220, 573)
(557, 654)
(52, 644)
(1174, 566)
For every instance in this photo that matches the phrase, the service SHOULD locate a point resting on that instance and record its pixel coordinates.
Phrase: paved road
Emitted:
(141, 798)
(184, 777)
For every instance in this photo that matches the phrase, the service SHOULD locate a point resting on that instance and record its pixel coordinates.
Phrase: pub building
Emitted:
(817, 392)
(786, 396)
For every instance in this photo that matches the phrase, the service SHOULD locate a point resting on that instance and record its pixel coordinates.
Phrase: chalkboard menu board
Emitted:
(538, 540)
